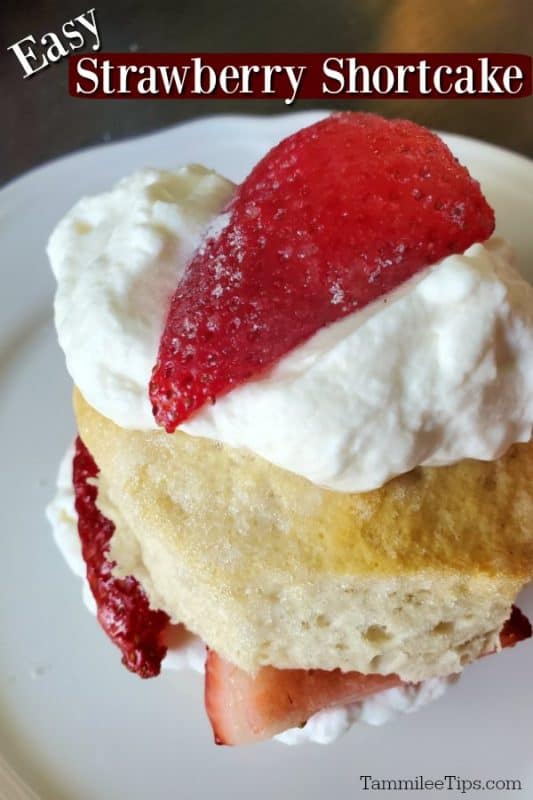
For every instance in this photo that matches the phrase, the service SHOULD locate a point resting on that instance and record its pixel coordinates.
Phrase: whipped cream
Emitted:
(330, 724)
(438, 371)
(187, 651)
(117, 258)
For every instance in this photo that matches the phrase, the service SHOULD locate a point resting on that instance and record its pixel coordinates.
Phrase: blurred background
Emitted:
(40, 121)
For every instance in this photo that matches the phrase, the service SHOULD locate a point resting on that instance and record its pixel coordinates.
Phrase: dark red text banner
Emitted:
(292, 76)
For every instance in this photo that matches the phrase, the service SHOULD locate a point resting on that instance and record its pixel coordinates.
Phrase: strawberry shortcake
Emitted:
(304, 408)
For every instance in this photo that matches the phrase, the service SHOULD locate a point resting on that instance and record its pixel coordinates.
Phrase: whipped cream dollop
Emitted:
(187, 651)
(117, 258)
(438, 371)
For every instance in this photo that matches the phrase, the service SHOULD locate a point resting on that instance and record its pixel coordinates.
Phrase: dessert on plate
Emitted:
(305, 407)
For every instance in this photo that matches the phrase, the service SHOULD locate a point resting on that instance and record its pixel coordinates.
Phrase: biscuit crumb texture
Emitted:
(415, 578)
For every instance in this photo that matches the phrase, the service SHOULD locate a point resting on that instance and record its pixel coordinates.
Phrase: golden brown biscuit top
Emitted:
(239, 515)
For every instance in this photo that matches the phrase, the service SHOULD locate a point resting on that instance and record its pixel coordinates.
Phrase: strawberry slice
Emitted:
(332, 218)
(516, 629)
(122, 606)
(243, 708)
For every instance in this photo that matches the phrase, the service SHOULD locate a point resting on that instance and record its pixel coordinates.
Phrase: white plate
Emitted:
(73, 722)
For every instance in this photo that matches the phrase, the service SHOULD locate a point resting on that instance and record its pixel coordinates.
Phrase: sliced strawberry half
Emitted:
(243, 709)
(332, 218)
(516, 629)
(122, 606)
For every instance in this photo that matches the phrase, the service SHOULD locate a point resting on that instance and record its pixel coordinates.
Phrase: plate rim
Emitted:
(225, 118)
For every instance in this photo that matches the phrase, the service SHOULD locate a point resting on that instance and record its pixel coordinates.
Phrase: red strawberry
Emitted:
(243, 709)
(122, 606)
(516, 629)
(333, 217)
